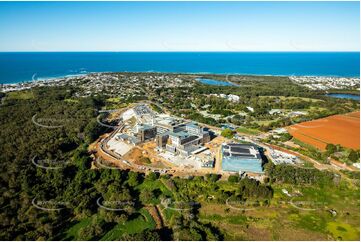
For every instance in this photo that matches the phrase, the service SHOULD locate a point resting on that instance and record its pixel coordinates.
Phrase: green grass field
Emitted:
(343, 231)
(72, 232)
(265, 122)
(293, 98)
(69, 100)
(139, 224)
(20, 95)
(309, 220)
(152, 185)
(113, 99)
(143, 221)
(248, 131)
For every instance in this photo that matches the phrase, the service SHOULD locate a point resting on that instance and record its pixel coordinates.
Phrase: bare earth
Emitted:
(338, 129)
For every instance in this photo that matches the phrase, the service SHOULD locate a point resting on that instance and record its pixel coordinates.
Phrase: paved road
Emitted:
(117, 160)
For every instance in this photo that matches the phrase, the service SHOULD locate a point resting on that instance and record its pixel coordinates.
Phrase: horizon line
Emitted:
(173, 51)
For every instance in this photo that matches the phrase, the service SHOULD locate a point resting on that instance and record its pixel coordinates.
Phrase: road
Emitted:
(106, 154)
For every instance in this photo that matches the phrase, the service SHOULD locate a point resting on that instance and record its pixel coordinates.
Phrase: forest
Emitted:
(51, 127)
(51, 191)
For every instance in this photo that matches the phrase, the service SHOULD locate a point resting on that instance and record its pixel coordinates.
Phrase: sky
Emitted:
(179, 26)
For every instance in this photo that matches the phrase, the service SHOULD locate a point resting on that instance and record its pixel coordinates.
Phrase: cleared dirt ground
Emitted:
(338, 129)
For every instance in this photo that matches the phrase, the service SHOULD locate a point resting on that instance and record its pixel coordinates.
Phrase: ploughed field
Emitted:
(337, 129)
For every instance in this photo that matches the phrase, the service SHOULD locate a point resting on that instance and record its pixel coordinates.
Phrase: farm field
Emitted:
(338, 129)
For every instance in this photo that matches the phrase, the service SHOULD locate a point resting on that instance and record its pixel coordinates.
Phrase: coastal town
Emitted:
(327, 83)
(120, 82)
(110, 83)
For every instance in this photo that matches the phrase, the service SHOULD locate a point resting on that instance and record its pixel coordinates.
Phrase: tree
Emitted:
(295, 175)
(146, 235)
(212, 177)
(233, 179)
(188, 234)
(113, 216)
(331, 148)
(152, 176)
(133, 178)
(228, 133)
(89, 232)
(92, 131)
(354, 156)
(146, 196)
(92, 231)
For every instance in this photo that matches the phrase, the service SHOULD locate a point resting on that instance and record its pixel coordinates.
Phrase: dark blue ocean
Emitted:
(25, 66)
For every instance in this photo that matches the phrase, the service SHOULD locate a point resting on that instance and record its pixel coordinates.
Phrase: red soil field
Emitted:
(338, 129)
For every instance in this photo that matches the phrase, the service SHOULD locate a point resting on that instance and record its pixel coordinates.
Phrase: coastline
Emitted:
(53, 78)
(46, 79)
(328, 84)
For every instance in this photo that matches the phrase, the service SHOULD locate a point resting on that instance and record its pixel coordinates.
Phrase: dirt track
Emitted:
(154, 212)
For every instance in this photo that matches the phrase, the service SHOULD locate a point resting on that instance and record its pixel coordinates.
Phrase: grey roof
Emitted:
(123, 136)
(193, 125)
(180, 134)
(241, 150)
(145, 126)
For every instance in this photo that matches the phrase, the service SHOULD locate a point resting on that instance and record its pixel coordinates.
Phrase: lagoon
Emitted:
(214, 82)
(347, 96)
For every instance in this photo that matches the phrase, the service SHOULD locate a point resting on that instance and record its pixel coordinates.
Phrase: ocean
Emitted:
(26, 66)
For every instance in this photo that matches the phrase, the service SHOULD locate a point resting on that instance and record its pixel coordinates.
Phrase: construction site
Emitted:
(147, 141)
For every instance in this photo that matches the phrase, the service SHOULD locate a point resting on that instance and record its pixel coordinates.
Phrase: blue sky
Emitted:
(179, 26)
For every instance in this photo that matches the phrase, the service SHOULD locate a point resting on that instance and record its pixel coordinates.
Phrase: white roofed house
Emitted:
(233, 98)
(128, 114)
(275, 111)
(250, 109)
